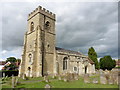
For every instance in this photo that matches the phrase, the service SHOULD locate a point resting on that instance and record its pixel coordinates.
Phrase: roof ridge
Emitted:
(62, 49)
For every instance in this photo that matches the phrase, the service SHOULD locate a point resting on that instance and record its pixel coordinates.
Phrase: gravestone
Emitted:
(101, 72)
(3, 74)
(103, 79)
(95, 80)
(59, 78)
(65, 79)
(76, 76)
(16, 81)
(107, 76)
(69, 77)
(46, 79)
(110, 81)
(24, 77)
(86, 78)
(53, 76)
(13, 81)
(47, 87)
(115, 78)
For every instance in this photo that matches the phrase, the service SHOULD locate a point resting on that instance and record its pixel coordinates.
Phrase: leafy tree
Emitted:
(93, 56)
(11, 59)
(11, 66)
(107, 63)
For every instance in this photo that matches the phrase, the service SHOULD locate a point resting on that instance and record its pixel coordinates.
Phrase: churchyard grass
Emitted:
(57, 84)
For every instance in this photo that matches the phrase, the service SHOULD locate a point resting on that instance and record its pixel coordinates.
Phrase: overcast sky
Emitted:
(79, 25)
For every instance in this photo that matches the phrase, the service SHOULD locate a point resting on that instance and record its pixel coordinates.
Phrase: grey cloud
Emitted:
(78, 26)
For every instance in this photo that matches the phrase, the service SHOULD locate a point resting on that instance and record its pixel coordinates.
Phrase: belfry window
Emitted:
(47, 25)
(32, 26)
(65, 63)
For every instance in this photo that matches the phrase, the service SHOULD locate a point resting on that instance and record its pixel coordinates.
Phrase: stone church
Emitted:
(40, 55)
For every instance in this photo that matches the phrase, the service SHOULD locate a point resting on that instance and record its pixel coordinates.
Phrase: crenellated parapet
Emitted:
(41, 11)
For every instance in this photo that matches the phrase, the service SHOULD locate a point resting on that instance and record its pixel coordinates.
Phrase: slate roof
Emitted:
(67, 51)
(72, 52)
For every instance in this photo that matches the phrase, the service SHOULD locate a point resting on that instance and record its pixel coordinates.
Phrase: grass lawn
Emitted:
(31, 83)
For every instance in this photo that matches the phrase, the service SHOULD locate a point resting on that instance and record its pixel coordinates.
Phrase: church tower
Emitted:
(38, 56)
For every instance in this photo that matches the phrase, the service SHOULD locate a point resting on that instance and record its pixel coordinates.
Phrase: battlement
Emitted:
(42, 11)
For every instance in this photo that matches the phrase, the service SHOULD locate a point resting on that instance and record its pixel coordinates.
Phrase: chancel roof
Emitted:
(73, 52)
(68, 51)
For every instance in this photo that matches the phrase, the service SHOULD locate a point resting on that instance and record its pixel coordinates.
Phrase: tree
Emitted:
(93, 56)
(107, 63)
(11, 59)
(12, 65)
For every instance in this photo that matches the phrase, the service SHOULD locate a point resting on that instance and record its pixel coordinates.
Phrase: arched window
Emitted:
(65, 63)
(30, 57)
(32, 26)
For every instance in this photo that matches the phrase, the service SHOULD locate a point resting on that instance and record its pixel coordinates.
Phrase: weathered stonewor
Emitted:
(101, 71)
(110, 81)
(115, 78)
(46, 79)
(76, 77)
(119, 78)
(107, 76)
(65, 79)
(16, 81)
(95, 80)
(70, 76)
(103, 79)
(97, 72)
(86, 78)
(59, 78)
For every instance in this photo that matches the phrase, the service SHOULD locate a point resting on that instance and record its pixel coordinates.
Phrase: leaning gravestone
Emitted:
(47, 87)
(86, 78)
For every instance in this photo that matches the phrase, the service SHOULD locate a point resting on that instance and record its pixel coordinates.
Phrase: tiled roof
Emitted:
(67, 51)
(2, 62)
